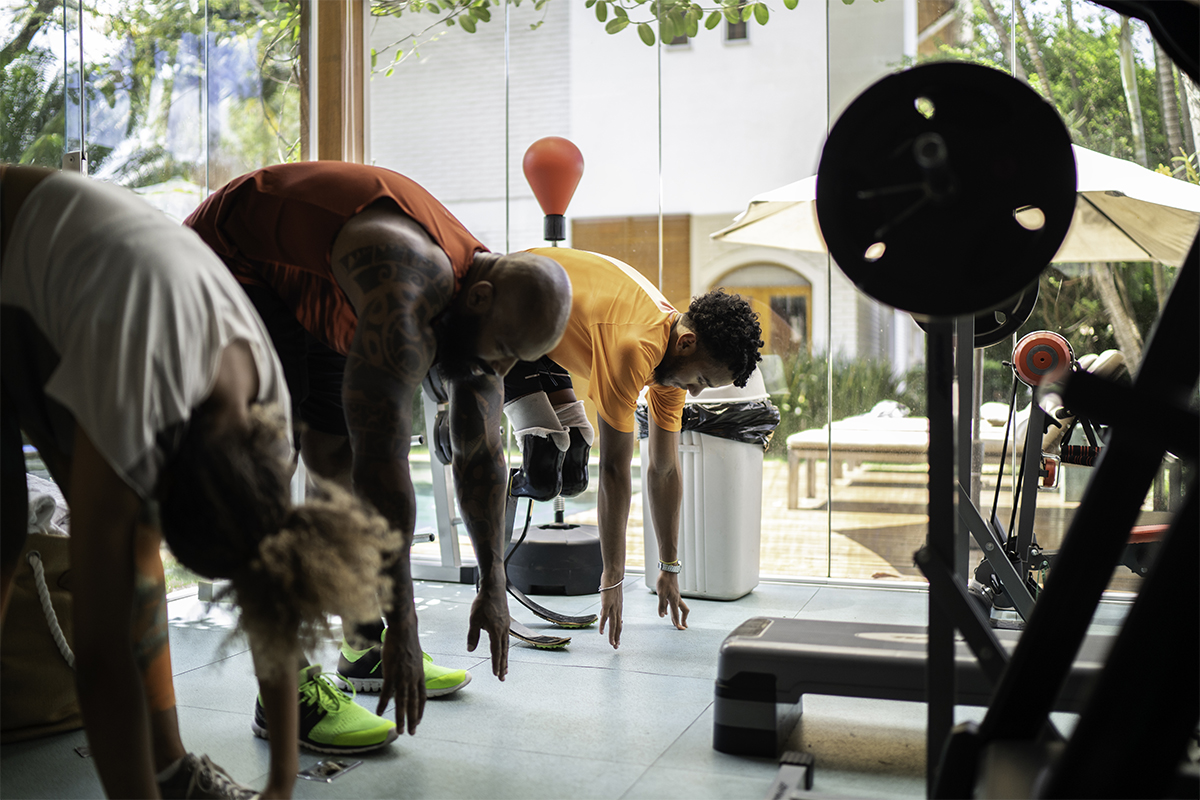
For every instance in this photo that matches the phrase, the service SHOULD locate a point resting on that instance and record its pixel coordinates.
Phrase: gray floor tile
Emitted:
(829, 782)
(667, 783)
(694, 751)
(423, 767)
(48, 767)
(580, 712)
(225, 737)
(584, 722)
(865, 735)
(896, 606)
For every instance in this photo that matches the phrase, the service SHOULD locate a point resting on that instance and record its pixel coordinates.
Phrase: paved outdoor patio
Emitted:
(876, 523)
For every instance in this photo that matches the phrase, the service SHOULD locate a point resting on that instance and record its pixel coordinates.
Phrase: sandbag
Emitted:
(37, 684)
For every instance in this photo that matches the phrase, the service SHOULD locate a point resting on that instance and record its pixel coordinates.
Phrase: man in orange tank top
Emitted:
(364, 281)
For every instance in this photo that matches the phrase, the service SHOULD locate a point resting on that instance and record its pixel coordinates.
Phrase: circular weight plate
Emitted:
(944, 190)
(1042, 357)
(993, 327)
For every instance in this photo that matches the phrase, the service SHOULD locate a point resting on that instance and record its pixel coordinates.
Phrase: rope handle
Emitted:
(39, 577)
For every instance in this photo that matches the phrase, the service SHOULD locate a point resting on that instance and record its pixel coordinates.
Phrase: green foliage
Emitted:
(1185, 167)
(1081, 58)
(1068, 305)
(32, 119)
(858, 384)
(654, 20)
(1084, 73)
(145, 75)
(147, 70)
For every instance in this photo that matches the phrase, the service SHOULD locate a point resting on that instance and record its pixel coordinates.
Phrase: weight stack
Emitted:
(558, 559)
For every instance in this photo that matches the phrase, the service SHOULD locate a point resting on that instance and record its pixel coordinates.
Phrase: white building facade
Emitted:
(691, 131)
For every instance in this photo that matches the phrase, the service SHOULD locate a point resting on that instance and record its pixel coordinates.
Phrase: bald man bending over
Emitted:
(364, 281)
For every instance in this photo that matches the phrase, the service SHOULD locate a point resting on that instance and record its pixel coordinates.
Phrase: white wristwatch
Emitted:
(670, 566)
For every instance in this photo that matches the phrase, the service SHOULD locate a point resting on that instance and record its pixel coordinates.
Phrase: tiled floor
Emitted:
(585, 722)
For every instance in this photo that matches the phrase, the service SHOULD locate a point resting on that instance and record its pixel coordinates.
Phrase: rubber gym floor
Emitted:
(584, 722)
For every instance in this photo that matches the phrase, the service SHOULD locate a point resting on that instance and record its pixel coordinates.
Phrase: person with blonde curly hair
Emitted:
(134, 363)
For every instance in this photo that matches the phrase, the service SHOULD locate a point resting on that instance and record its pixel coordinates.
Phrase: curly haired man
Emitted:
(624, 336)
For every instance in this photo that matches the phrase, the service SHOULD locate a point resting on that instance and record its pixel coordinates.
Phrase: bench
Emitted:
(891, 440)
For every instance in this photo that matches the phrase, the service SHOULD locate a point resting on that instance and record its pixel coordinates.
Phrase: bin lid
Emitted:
(754, 390)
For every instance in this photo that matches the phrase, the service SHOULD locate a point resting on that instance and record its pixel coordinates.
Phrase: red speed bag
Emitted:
(553, 167)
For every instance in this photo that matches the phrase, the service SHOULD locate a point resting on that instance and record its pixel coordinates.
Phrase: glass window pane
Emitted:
(33, 97)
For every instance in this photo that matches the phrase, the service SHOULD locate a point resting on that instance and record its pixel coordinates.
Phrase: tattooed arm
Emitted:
(104, 513)
(397, 287)
(481, 478)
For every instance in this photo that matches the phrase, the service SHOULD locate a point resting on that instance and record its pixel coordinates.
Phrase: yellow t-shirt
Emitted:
(618, 333)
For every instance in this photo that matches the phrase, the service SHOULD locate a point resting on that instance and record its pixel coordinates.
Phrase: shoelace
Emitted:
(214, 780)
(322, 690)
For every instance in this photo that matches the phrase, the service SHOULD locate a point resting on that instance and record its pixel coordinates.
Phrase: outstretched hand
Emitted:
(489, 612)
(667, 587)
(403, 673)
(611, 602)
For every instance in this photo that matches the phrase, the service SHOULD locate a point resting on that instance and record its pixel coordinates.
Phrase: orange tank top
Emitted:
(275, 227)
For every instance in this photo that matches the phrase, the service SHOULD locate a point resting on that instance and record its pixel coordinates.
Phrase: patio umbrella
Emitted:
(1123, 212)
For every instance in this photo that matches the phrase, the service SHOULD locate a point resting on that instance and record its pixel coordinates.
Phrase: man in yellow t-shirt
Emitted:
(624, 336)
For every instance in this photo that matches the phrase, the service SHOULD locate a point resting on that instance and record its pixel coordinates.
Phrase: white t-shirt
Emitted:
(138, 309)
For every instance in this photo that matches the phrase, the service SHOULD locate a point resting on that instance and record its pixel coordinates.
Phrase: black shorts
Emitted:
(527, 377)
(313, 370)
(26, 363)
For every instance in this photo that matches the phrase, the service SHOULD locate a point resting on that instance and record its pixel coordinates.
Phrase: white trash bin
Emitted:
(720, 519)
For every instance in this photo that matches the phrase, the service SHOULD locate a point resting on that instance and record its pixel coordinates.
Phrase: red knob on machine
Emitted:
(1042, 357)
(553, 167)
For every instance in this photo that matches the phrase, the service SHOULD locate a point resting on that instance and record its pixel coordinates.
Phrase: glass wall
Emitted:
(682, 124)
(170, 99)
(681, 127)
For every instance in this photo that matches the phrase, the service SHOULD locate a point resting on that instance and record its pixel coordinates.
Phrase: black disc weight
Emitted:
(944, 190)
(996, 325)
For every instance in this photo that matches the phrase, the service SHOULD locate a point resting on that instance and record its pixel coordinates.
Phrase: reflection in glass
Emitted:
(166, 98)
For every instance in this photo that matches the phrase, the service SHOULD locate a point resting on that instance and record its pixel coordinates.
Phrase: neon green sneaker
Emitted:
(360, 669)
(330, 720)
(441, 681)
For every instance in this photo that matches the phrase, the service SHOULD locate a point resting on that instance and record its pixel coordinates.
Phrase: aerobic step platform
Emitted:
(768, 664)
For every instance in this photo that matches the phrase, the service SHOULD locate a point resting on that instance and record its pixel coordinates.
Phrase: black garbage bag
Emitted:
(752, 422)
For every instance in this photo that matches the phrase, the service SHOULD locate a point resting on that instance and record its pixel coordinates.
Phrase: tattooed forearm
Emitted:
(479, 468)
(399, 293)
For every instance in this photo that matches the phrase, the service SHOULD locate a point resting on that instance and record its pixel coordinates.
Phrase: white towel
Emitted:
(48, 511)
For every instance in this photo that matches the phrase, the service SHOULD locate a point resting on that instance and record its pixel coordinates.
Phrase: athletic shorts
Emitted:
(313, 370)
(527, 377)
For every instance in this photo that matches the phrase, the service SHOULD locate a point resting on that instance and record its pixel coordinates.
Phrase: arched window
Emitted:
(783, 300)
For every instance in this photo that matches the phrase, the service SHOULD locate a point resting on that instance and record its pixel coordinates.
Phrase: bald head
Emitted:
(539, 288)
(510, 308)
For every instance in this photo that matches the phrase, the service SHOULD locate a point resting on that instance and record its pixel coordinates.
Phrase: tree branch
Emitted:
(1035, 53)
(33, 23)
(1005, 42)
(1129, 339)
